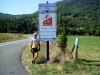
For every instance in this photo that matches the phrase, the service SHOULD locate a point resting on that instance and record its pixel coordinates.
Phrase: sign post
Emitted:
(47, 24)
(47, 42)
(75, 55)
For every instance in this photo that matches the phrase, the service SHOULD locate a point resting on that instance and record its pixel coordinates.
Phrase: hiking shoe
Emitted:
(32, 62)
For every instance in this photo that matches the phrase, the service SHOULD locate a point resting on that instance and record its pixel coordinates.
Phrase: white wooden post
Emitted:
(75, 54)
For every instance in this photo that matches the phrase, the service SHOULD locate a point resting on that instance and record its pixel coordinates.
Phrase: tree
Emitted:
(80, 31)
(62, 40)
(97, 32)
(92, 31)
(73, 31)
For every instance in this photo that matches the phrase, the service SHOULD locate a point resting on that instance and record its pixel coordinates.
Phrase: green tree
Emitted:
(97, 32)
(92, 31)
(72, 31)
(80, 31)
(62, 40)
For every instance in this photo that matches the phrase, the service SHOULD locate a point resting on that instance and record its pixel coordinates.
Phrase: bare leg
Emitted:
(35, 55)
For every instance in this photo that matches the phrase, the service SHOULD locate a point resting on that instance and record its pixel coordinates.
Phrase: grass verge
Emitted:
(88, 56)
(5, 37)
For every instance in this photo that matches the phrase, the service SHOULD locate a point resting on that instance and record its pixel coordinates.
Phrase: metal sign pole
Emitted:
(47, 50)
(47, 45)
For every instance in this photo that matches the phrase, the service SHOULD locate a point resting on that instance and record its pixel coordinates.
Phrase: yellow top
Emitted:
(35, 43)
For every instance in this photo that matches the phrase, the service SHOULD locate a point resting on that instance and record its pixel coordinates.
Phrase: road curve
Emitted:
(10, 57)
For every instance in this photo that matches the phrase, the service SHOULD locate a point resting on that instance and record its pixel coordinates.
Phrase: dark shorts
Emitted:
(34, 50)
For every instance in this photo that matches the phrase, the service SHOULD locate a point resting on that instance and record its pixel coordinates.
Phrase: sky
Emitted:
(19, 7)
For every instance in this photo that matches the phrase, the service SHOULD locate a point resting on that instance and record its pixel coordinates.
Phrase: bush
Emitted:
(62, 40)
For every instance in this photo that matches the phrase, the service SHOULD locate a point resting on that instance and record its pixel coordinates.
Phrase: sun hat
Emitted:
(35, 34)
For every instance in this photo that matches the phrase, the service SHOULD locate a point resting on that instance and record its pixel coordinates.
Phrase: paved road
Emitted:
(10, 57)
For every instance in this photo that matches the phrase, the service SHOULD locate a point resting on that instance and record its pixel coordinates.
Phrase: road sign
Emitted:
(47, 7)
(47, 26)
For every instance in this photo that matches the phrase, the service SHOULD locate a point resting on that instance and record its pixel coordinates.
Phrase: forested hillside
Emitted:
(80, 17)
(18, 25)
(3, 15)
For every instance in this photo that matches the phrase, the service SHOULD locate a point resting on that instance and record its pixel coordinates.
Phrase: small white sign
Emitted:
(77, 41)
(47, 7)
(47, 26)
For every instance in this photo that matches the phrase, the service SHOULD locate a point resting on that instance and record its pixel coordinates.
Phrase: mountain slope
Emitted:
(79, 13)
(82, 6)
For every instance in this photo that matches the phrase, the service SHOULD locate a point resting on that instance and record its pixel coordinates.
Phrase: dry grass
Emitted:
(5, 37)
(88, 53)
(27, 56)
(41, 60)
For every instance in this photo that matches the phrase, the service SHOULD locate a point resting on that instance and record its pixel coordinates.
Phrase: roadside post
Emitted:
(47, 24)
(75, 55)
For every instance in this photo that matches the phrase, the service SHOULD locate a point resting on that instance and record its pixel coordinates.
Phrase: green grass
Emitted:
(89, 47)
(88, 56)
(5, 37)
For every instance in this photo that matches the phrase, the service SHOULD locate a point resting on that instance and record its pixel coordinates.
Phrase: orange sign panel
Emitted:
(47, 20)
